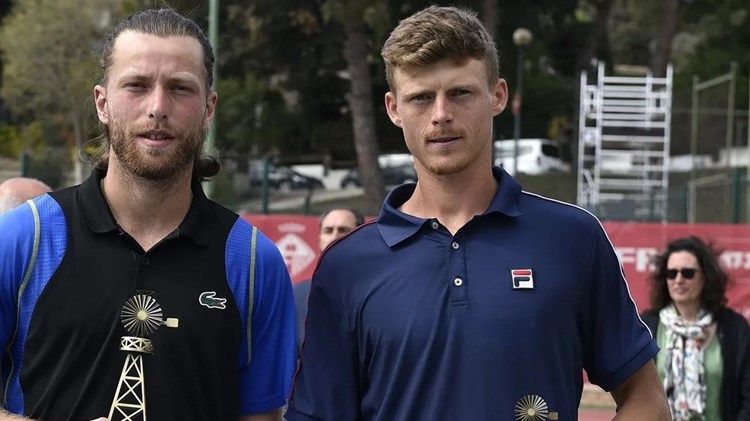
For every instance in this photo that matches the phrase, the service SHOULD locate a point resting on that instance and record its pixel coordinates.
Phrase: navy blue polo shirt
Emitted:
(409, 322)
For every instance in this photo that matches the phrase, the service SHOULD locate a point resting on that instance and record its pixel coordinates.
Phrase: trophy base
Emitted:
(129, 403)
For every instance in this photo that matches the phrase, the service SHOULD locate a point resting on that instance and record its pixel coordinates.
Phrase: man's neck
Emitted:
(147, 210)
(454, 199)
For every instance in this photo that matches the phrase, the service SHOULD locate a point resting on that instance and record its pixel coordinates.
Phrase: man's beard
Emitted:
(155, 163)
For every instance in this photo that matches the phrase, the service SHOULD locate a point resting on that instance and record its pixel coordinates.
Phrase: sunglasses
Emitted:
(687, 273)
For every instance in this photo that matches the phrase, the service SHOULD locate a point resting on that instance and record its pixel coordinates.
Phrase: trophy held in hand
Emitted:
(142, 316)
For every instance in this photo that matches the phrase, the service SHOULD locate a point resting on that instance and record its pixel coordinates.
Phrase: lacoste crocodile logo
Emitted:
(209, 300)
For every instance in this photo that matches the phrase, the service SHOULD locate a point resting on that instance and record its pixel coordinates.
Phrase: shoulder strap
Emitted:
(251, 291)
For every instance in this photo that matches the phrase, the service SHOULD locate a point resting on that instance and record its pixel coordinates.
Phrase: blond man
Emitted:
(467, 299)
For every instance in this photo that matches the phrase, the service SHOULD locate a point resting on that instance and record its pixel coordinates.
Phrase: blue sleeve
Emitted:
(16, 249)
(266, 381)
(326, 387)
(616, 342)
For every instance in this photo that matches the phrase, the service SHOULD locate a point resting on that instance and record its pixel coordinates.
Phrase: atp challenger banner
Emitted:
(636, 243)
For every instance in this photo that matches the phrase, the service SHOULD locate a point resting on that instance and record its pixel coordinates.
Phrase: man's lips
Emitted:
(157, 135)
(444, 139)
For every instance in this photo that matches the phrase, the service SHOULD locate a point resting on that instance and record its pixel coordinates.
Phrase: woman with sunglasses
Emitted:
(704, 360)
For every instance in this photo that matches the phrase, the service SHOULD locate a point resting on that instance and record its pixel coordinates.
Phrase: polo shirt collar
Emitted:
(396, 226)
(99, 219)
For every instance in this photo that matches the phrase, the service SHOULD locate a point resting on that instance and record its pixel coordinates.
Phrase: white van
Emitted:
(535, 156)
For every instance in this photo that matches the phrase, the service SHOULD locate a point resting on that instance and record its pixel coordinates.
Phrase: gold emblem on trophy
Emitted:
(533, 408)
(141, 315)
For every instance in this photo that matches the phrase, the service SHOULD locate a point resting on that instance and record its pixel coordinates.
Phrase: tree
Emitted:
(598, 31)
(48, 66)
(663, 53)
(354, 15)
(489, 16)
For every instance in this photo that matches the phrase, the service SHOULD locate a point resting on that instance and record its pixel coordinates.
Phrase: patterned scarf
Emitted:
(684, 378)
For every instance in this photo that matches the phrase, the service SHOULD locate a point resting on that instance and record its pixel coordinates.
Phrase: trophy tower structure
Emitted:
(142, 316)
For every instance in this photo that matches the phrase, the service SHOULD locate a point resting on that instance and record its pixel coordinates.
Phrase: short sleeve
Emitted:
(326, 387)
(616, 341)
(266, 381)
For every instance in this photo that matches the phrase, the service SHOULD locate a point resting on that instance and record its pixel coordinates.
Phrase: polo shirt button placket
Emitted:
(458, 291)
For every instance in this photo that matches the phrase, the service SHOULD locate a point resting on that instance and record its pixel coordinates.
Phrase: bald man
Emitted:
(334, 223)
(15, 191)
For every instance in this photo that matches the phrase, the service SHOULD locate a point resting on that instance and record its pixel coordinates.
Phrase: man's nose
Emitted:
(441, 111)
(158, 105)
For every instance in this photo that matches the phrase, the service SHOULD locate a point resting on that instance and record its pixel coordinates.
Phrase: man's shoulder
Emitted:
(555, 215)
(350, 256)
(22, 219)
(536, 202)
(17, 225)
(260, 241)
(364, 238)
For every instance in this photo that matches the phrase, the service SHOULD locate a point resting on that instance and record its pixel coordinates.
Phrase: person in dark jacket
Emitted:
(704, 361)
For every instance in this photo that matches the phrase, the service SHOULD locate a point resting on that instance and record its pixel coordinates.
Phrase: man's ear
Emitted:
(213, 97)
(391, 107)
(499, 96)
(100, 100)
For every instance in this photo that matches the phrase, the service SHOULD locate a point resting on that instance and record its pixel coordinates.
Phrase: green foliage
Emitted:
(17, 139)
(47, 61)
(48, 167)
(282, 74)
(223, 190)
(252, 117)
(48, 66)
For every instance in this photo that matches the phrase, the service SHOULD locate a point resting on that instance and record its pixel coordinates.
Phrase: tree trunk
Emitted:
(583, 62)
(663, 52)
(363, 115)
(489, 17)
(603, 10)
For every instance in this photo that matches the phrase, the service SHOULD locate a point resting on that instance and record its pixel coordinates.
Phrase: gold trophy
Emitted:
(141, 315)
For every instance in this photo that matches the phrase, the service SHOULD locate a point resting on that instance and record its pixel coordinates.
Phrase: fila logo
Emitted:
(208, 299)
(522, 278)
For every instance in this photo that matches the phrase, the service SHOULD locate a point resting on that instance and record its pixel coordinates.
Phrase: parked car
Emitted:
(392, 176)
(282, 178)
(535, 156)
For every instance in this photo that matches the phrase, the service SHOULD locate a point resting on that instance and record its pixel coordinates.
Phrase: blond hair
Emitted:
(437, 33)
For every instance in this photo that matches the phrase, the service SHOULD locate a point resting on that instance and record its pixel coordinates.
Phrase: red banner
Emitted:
(636, 243)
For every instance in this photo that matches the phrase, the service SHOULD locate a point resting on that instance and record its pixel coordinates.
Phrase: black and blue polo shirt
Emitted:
(67, 269)
(497, 322)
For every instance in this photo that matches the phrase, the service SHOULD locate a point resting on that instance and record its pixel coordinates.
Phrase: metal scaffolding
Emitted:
(623, 148)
